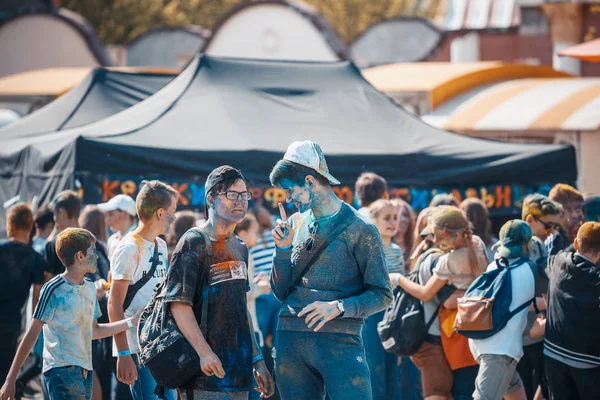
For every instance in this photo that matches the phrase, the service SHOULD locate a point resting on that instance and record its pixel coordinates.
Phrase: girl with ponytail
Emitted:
(464, 259)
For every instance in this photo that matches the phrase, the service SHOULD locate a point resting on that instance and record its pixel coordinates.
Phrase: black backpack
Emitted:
(164, 350)
(403, 329)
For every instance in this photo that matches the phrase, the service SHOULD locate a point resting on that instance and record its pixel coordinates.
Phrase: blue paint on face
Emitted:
(300, 196)
(91, 261)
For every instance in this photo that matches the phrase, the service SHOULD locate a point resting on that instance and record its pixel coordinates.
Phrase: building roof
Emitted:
(56, 81)
(586, 51)
(270, 37)
(396, 40)
(480, 15)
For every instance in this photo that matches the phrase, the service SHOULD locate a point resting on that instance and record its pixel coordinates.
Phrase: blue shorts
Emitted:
(68, 383)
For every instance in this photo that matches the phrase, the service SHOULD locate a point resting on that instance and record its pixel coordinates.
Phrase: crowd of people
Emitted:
(294, 303)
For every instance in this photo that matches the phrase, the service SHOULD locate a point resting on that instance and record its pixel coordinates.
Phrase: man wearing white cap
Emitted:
(120, 218)
(329, 271)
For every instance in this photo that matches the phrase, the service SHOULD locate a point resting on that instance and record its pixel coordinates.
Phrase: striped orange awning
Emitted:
(586, 51)
(525, 105)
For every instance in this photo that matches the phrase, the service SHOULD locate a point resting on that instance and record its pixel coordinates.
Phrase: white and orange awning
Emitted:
(586, 51)
(442, 81)
(535, 104)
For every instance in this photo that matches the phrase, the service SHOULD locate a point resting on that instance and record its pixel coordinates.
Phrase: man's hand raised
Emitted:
(283, 234)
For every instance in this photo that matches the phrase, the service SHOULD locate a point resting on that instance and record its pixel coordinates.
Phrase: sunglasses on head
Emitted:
(312, 236)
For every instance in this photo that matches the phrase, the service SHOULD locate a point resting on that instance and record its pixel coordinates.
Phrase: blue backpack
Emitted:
(485, 307)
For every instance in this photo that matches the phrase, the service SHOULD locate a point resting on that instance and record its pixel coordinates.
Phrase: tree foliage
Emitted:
(120, 21)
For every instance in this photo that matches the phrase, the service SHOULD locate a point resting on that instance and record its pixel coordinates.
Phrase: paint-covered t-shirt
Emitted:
(68, 312)
(130, 262)
(228, 333)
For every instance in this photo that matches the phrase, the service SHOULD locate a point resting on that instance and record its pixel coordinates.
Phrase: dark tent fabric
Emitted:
(396, 40)
(102, 94)
(246, 112)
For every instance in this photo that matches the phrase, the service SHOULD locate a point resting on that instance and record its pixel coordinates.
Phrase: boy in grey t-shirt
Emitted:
(67, 311)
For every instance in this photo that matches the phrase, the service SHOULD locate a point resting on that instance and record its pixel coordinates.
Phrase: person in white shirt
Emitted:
(120, 218)
(499, 354)
(139, 253)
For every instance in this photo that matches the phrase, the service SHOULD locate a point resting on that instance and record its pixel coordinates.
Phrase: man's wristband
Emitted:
(257, 358)
(284, 248)
(124, 353)
(129, 323)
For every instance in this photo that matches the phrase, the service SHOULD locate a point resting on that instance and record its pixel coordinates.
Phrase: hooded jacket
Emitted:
(573, 310)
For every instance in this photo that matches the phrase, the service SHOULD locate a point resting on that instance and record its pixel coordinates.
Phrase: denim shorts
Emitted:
(497, 377)
(66, 383)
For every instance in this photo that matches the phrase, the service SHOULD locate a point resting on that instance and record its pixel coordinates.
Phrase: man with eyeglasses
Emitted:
(229, 351)
(543, 217)
(329, 271)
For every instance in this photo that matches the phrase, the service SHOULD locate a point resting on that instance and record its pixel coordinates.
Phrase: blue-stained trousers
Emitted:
(310, 363)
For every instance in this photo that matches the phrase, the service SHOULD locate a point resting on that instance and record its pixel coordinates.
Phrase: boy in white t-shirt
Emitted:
(67, 311)
(156, 203)
(499, 354)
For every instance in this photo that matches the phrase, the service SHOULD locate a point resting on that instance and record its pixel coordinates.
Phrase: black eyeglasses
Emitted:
(548, 225)
(312, 236)
(233, 196)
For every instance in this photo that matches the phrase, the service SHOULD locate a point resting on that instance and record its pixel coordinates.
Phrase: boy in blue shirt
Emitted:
(67, 311)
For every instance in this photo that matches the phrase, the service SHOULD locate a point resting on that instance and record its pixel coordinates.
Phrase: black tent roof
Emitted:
(246, 112)
(101, 94)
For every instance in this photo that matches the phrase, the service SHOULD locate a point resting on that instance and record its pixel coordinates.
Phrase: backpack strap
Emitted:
(534, 270)
(133, 289)
(205, 284)
(434, 262)
(521, 307)
(433, 317)
(330, 238)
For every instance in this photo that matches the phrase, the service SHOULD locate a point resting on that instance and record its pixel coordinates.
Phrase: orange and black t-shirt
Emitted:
(228, 330)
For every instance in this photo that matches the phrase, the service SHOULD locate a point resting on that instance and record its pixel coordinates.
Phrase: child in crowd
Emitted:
(383, 365)
(140, 261)
(499, 354)
(67, 311)
(21, 268)
(572, 348)
(543, 216)
(465, 259)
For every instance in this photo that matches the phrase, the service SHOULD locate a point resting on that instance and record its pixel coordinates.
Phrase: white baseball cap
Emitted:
(309, 154)
(120, 202)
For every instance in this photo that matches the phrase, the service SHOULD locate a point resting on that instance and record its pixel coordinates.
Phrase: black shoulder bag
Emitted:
(133, 289)
(170, 358)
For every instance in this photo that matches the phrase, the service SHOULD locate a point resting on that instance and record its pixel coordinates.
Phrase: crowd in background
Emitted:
(445, 367)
